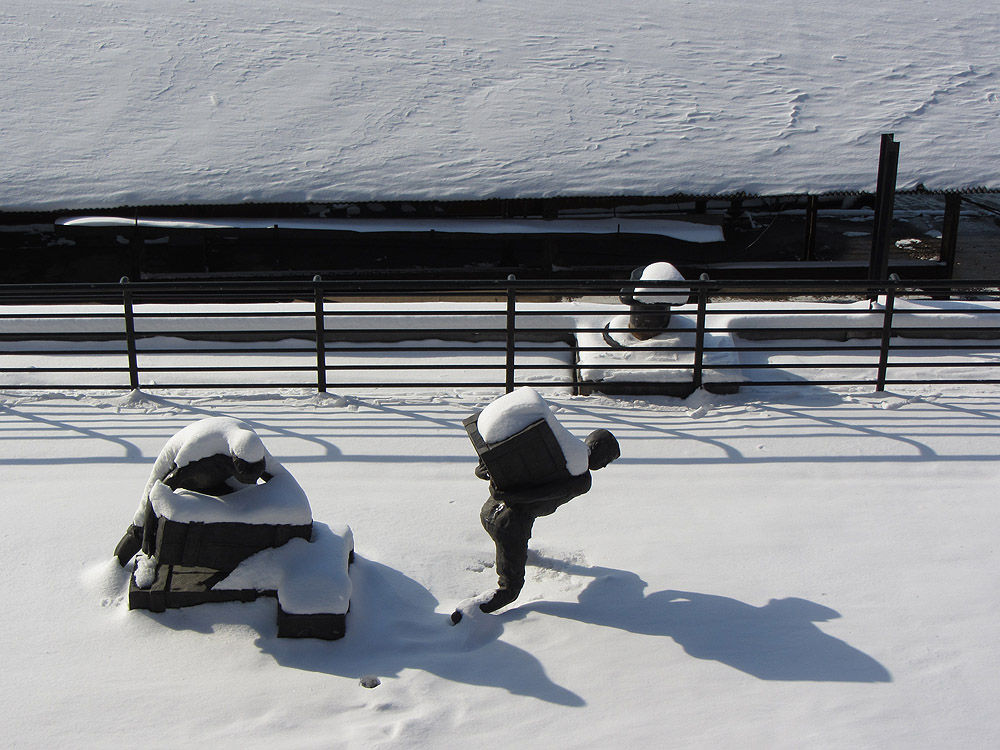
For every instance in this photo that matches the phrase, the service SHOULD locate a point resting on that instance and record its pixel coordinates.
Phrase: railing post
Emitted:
(699, 335)
(885, 197)
(320, 335)
(812, 211)
(883, 355)
(137, 249)
(133, 358)
(949, 232)
(511, 331)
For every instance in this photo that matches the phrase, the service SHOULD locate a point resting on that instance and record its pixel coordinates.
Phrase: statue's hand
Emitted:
(129, 545)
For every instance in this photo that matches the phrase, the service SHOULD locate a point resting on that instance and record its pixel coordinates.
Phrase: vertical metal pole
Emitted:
(137, 249)
(883, 357)
(320, 336)
(812, 211)
(885, 198)
(133, 359)
(275, 248)
(511, 330)
(735, 215)
(949, 232)
(699, 336)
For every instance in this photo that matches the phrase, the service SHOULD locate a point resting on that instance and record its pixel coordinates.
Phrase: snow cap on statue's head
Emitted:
(244, 443)
(213, 435)
(661, 271)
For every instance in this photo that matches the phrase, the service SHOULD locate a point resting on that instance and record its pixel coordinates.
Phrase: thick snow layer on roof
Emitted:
(125, 102)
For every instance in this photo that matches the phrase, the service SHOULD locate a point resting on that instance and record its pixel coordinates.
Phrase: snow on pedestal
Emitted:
(615, 361)
(307, 576)
(636, 353)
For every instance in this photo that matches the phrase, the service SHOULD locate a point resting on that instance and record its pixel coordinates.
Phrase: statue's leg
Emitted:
(510, 531)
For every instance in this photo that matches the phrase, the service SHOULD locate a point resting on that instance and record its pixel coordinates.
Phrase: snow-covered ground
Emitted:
(781, 568)
(123, 102)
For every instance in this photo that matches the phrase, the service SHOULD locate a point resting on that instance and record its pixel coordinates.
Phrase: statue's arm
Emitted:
(129, 545)
(560, 489)
(481, 470)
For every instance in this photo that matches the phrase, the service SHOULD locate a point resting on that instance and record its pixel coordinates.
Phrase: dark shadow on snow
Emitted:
(392, 626)
(840, 426)
(778, 641)
(130, 452)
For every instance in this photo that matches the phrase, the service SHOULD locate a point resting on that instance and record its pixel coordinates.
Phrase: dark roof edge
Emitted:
(283, 208)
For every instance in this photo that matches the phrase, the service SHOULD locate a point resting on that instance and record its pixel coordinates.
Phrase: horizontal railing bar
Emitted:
(67, 387)
(329, 367)
(331, 334)
(63, 352)
(305, 314)
(943, 381)
(59, 316)
(460, 287)
(61, 369)
(898, 349)
(684, 311)
(252, 386)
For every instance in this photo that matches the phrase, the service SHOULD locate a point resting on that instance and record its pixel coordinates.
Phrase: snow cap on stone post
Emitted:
(661, 271)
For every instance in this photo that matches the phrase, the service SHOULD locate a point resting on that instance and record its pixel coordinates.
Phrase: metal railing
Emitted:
(354, 335)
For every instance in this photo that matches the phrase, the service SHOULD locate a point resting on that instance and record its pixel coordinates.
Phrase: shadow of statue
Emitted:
(778, 641)
(392, 626)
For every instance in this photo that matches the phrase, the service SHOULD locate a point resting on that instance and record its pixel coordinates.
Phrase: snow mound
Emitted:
(136, 400)
(511, 413)
(108, 580)
(309, 577)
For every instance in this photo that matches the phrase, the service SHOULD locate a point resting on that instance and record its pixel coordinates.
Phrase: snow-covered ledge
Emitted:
(309, 577)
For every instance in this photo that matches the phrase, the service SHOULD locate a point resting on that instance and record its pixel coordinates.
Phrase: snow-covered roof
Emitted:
(137, 103)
